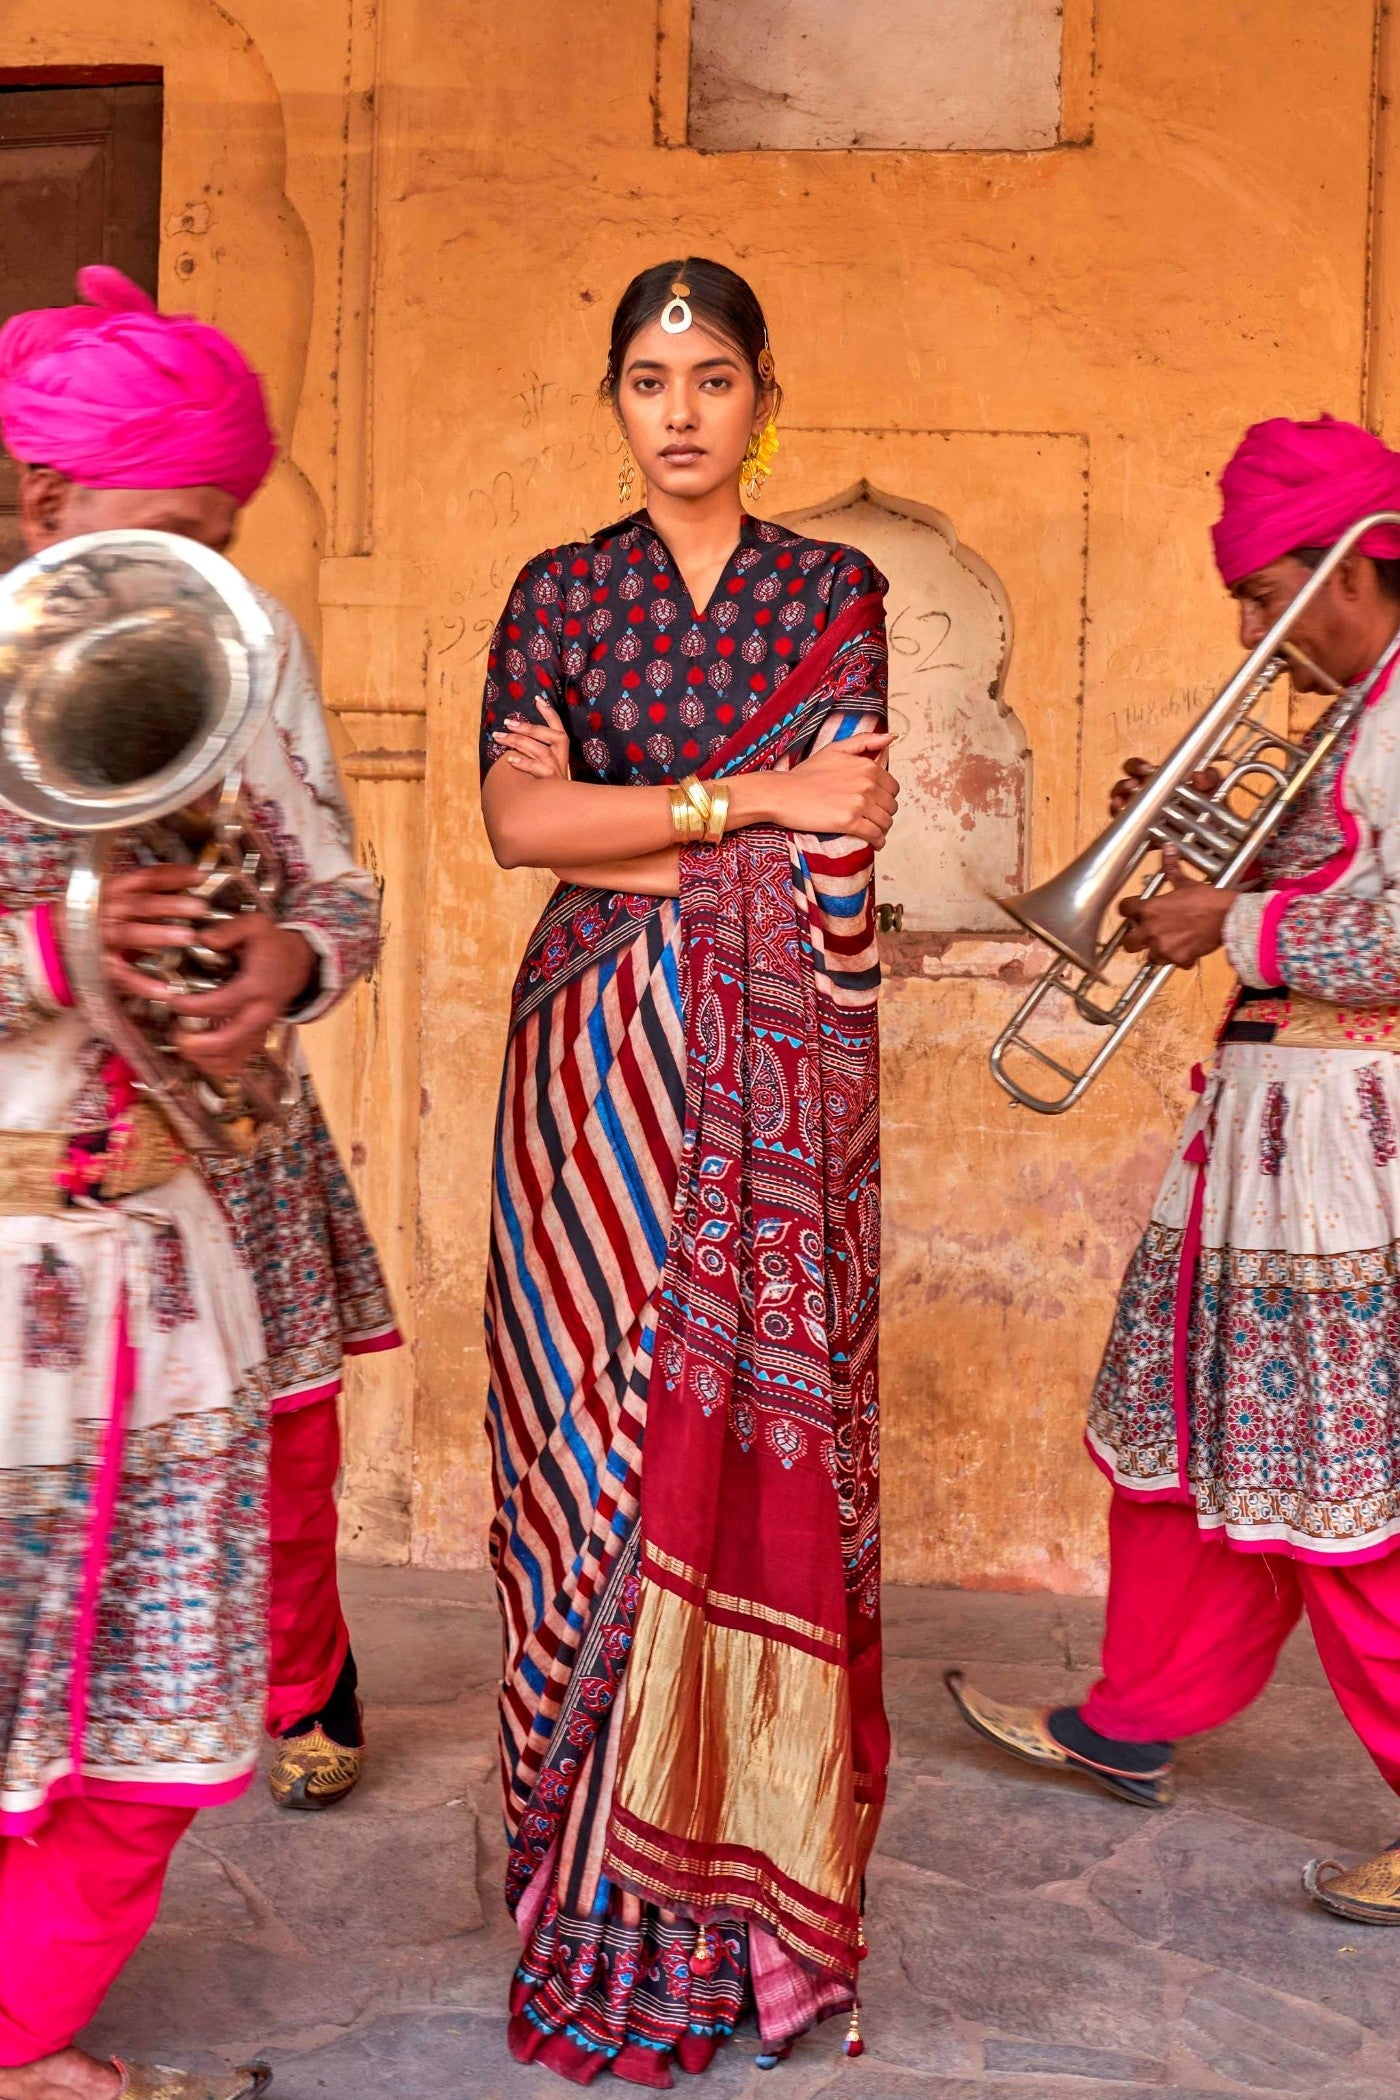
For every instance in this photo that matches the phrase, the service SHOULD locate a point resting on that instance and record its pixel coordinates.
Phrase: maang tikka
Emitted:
(676, 316)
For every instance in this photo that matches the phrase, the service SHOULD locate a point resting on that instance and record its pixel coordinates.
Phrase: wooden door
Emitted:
(79, 183)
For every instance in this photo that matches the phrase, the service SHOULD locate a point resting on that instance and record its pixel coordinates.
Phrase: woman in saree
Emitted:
(684, 720)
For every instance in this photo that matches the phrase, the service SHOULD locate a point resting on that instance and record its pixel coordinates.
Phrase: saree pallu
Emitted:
(685, 1253)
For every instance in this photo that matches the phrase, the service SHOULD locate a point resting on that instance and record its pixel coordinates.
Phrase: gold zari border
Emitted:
(734, 1743)
(808, 1628)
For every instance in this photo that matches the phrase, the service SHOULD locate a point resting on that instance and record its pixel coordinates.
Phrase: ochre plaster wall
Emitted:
(418, 216)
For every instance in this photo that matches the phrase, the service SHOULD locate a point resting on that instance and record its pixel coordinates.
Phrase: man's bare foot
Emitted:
(70, 2075)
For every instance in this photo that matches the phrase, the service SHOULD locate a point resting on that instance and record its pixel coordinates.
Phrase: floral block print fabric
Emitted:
(302, 1236)
(1322, 912)
(133, 1458)
(1293, 1359)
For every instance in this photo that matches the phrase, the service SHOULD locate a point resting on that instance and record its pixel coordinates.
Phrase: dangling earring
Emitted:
(759, 455)
(626, 476)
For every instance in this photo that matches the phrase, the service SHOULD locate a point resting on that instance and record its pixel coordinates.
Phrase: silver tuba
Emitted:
(136, 668)
(1218, 833)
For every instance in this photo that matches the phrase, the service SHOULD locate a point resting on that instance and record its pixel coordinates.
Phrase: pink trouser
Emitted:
(76, 1899)
(307, 1634)
(1194, 1628)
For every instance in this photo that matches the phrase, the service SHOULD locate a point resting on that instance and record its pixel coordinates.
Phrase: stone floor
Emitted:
(1031, 1939)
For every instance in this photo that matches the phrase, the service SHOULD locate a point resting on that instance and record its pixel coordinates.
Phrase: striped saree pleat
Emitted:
(587, 1145)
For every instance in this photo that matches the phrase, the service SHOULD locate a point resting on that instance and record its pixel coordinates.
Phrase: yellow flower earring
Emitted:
(759, 455)
(762, 447)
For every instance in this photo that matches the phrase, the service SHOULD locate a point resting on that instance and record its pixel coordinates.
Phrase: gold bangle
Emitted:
(719, 812)
(685, 818)
(698, 796)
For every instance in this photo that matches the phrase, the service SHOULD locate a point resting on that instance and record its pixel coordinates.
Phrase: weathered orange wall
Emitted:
(418, 215)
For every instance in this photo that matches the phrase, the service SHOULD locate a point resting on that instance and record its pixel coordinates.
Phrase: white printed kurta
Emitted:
(1254, 1362)
(133, 1387)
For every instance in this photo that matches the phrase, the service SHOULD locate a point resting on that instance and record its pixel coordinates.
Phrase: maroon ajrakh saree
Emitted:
(682, 1320)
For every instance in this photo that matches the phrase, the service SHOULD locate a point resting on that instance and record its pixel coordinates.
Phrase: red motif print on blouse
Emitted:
(606, 630)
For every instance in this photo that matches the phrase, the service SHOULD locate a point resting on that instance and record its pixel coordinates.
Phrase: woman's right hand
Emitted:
(845, 790)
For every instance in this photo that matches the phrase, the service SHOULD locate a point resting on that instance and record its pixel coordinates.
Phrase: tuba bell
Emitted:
(136, 669)
(1218, 832)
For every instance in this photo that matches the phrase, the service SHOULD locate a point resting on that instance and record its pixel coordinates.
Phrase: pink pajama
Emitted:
(1194, 1628)
(308, 1637)
(76, 1899)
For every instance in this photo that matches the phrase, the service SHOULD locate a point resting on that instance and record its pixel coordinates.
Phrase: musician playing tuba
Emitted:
(1247, 1410)
(135, 1382)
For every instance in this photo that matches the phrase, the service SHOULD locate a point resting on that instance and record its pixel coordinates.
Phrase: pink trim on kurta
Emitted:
(327, 1388)
(100, 1531)
(1216, 1531)
(1343, 1557)
(19, 1823)
(371, 1344)
(305, 1396)
(1197, 1155)
(1168, 1492)
(51, 956)
(1331, 870)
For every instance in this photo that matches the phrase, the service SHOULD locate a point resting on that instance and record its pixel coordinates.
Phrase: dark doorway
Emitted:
(79, 183)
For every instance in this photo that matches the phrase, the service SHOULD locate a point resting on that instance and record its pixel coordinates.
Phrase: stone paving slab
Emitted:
(1032, 1939)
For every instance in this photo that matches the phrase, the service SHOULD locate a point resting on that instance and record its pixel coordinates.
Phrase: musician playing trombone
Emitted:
(1247, 1410)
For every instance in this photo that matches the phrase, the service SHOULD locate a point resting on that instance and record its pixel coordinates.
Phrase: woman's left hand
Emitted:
(540, 749)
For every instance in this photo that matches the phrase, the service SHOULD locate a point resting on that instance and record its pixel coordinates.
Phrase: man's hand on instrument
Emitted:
(274, 967)
(146, 909)
(1135, 776)
(1182, 922)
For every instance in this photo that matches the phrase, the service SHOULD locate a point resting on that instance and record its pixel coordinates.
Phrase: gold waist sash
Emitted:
(34, 1164)
(1300, 1023)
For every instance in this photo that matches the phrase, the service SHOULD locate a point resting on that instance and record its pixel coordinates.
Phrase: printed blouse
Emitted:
(648, 686)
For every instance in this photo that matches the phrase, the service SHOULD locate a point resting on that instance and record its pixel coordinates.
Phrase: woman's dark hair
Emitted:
(718, 296)
(1387, 568)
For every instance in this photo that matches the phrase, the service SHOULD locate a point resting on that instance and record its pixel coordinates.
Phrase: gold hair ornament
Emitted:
(676, 316)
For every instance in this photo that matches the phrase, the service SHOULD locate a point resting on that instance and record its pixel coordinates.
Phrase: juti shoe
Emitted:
(1024, 1732)
(159, 2082)
(313, 1771)
(1368, 1894)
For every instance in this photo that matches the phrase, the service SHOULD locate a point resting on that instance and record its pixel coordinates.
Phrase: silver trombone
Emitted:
(1218, 833)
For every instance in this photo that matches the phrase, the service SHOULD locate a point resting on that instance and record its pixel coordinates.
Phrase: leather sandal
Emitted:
(1368, 1894)
(1023, 1731)
(313, 1771)
(160, 2082)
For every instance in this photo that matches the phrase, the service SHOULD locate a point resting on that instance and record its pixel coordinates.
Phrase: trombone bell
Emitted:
(1064, 915)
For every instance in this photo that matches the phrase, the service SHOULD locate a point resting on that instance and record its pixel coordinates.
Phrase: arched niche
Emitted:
(962, 759)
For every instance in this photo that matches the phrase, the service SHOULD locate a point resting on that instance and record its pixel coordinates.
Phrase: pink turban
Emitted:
(118, 396)
(1300, 485)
